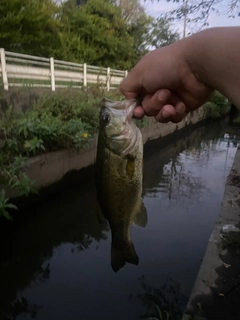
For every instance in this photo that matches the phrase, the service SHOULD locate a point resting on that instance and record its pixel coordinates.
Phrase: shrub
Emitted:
(217, 106)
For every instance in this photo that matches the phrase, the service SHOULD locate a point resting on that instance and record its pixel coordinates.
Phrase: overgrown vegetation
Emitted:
(63, 120)
(217, 106)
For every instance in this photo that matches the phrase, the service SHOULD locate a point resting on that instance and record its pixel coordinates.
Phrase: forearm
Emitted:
(214, 57)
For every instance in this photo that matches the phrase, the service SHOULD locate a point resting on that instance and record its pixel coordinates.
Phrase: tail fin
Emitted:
(120, 254)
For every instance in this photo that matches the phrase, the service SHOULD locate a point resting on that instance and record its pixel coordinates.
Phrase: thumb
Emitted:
(131, 86)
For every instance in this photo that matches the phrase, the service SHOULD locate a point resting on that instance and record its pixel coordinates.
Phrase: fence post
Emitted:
(52, 73)
(84, 74)
(125, 73)
(108, 79)
(4, 69)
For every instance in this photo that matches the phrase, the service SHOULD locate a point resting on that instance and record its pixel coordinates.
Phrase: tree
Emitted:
(114, 33)
(140, 32)
(96, 34)
(29, 26)
(121, 28)
(138, 23)
(131, 10)
(198, 11)
(162, 33)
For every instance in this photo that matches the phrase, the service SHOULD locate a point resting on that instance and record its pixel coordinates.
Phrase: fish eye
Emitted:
(105, 116)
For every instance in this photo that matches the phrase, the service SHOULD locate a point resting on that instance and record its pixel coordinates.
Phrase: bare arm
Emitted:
(215, 58)
(179, 78)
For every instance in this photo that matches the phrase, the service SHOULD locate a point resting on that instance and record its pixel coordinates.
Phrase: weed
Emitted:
(160, 314)
(5, 205)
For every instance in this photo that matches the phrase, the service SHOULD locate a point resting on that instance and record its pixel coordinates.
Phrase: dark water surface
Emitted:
(57, 265)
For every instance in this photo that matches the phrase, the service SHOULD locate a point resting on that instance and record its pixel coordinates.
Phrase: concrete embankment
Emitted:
(216, 292)
(47, 169)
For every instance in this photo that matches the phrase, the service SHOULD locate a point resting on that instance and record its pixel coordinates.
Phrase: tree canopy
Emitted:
(108, 33)
(28, 26)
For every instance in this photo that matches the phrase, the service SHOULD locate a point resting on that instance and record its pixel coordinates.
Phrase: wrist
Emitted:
(213, 56)
(198, 57)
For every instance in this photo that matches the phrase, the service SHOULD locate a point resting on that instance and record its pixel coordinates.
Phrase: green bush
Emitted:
(217, 106)
(58, 121)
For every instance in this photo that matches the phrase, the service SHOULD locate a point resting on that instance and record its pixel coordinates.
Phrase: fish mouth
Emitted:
(127, 105)
(124, 108)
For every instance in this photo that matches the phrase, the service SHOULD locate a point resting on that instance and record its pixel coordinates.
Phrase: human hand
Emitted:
(166, 83)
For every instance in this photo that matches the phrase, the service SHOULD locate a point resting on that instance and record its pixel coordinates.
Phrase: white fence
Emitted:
(21, 70)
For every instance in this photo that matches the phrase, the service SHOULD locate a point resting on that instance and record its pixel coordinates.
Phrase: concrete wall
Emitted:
(20, 99)
(49, 168)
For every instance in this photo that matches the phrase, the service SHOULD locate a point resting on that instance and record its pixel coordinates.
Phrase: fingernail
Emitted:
(162, 95)
(180, 108)
(165, 114)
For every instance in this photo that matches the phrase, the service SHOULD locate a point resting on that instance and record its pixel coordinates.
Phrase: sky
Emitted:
(156, 8)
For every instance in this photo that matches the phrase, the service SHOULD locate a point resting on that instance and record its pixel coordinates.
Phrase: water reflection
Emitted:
(172, 173)
(18, 307)
(69, 219)
(56, 264)
(166, 298)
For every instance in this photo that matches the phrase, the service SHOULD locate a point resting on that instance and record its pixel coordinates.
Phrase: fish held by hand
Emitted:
(119, 177)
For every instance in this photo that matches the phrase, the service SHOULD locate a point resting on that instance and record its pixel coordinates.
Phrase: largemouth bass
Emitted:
(119, 177)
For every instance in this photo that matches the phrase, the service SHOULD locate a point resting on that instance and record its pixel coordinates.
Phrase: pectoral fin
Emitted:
(141, 218)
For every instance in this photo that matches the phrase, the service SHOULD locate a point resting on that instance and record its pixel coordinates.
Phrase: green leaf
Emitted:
(6, 215)
(158, 310)
(11, 206)
(27, 144)
(167, 315)
(2, 195)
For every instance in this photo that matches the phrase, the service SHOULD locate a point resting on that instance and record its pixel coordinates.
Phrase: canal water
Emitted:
(56, 263)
